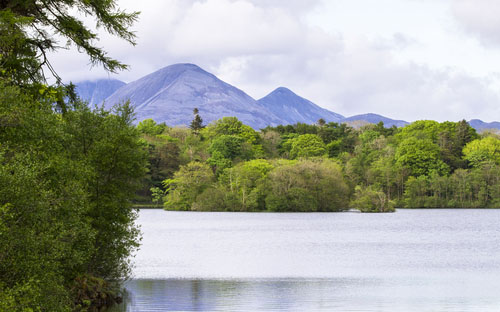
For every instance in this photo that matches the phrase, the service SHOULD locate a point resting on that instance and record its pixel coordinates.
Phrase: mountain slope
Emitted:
(97, 91)
(170, 94)
(374, 119)
(293, 108)
(480, 125)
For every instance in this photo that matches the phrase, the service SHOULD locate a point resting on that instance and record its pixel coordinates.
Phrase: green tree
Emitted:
(189, 182)
(416, 192)
(368, 199)
(232, 126)
(197, 123)
(150, 127)
(307, 145)
(307, 185)
(420, 156)
(481, 150)
(157, 195)
(110, 147)
(66, 183)
(244, 180)
(29, 29)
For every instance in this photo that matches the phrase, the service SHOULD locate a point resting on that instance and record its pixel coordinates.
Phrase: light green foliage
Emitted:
(215, 198)
(157, 195)
(243, 182)
(307, 145)
(368, 151)
(485, 149)
(420, 156)
(385, 173)
(189, 182)
(226, 149)
(368, 136)
(369, 199)
(421, 129)
(343, 136)
(228, 146)
(474, 188)
(307, 185)
(232, 126)
(416, 192)
(418, 166)
(192, 147)
(150, 127)
(287, 141)
(450, 137)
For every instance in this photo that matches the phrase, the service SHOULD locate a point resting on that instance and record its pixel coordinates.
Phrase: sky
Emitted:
(404, 59)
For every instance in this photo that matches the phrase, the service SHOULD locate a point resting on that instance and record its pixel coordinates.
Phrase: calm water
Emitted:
(412, 260)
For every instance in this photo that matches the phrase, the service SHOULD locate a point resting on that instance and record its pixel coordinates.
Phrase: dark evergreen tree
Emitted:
(197, 123)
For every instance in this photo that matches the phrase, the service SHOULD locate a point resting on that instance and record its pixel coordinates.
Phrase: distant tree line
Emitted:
(228, 166)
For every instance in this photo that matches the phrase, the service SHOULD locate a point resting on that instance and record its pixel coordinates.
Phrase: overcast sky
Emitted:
(405, 59)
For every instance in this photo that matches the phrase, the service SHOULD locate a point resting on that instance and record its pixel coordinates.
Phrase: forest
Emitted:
(68, 172)
(228, 166)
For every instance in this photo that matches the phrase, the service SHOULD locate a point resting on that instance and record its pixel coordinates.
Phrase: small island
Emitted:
(322, 167)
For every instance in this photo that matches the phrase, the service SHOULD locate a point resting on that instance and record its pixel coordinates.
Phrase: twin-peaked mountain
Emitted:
(170, 94)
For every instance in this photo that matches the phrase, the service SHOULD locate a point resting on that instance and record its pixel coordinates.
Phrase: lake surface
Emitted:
(411, 260)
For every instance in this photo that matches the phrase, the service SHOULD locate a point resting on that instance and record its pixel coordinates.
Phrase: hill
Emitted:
(293, 108)
(374, 119)
(170, 94)
(96, 91)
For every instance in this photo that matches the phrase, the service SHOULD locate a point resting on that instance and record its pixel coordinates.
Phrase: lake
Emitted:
(411, 260)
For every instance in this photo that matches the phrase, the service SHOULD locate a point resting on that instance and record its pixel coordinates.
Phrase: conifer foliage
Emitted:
(197, 123)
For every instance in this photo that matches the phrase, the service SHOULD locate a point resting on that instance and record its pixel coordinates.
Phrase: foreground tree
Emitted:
(65, 214)
(28, 30)
(67, 173)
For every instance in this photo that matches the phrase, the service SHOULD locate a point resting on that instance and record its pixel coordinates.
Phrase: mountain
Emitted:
(480, 125)
(170, 94)
(293, 108)
(97, 90)
(374, 119)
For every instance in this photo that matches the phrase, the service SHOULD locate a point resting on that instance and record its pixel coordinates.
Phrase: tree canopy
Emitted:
(68, 172)
(30, 29)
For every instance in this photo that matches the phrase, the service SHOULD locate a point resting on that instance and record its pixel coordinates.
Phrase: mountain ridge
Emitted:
(171, 93)
(376, 118)
(96, 91)
(283, 101)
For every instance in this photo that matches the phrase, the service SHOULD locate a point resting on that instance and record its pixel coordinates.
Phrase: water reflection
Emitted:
(412, 260)
(305, 295)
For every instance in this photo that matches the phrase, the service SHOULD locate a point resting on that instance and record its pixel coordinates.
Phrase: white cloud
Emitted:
(234, 27)
(262, 44)
(480, 18)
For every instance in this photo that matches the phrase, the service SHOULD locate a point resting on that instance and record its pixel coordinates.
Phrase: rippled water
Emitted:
(411, 260)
